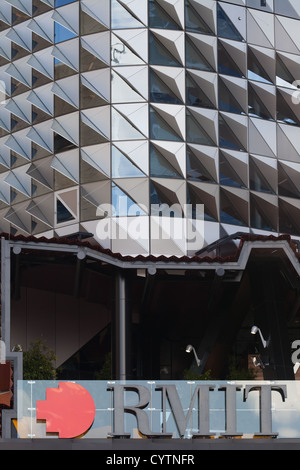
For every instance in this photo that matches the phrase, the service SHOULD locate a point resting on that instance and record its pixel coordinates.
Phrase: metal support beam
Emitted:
(5, 292)
(122, 327)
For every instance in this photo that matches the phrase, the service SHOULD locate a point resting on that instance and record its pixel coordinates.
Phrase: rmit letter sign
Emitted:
(154, 409)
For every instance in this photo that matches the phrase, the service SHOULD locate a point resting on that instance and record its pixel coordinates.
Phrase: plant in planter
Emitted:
(38, 362)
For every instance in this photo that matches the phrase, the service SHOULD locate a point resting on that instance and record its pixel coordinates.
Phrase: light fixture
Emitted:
(257, 362)
(255, 330)
(189, 349)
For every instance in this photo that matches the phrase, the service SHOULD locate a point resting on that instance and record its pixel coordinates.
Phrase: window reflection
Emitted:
(159, 54)
(122, 166)
(160, 92)
(194, 58)
(122, 92)
(160, 129)
(122, 55)
(193, 21)
(122, 204)
(226, 28)
(226, 64)
(195, 133)
(121, 18)
(255, 69)
(62, 34)
(159, 18)
(159, 166)
(123, 129)
(195, 95)
(60, 3)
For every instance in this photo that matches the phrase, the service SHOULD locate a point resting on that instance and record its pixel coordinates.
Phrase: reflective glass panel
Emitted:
(159, 166)
(159, 55)
(121, 18)
(195, 133)
(122, 204)
(59, 3)
(226, 64)
(62, 215)
(284, 111)
(122, 92)
(258, 182)
(227, 138)
(255, 69)
(227, 101)
(159, 18)
(160, 92)
(194, 58)
(259, 218)
(195, 96)
(159, 129)
(122, 55)
(193, 21)
(123, 129)
(122, 166)
(226, 28)
(228, 212)
(62, 34)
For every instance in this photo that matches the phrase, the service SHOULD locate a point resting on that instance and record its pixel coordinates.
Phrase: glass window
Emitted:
(228, 175)
(195, 133)
(255, 69)
(194, 198)
(62, 34)
(159, 18)
(159, 55)
(61, 144)
(159, 166)
(193, 21)
(226, 64)
(283, 75)
(195, 170)
(122, 55)
(284, 111)
(259, 218)
(62, 213)
(229, 213)
(227, 138)
(194, 58)
(122, 92)
(227, 101)
(256, 108)
(122, 129)
(195, 95)
(160, 92)
(122, 18)
(160, 129)
(286, 186)
(288, 218)
(122, 205)
(258, 182)
(226, 28)
(60, 3)
(122, 167)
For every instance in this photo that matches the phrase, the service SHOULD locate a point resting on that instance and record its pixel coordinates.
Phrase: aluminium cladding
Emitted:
(154, 102)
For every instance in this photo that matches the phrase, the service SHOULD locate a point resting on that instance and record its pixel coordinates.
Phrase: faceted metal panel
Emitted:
(149, 102)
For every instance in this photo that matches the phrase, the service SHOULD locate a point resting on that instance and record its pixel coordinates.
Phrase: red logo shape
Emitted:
(69, 410)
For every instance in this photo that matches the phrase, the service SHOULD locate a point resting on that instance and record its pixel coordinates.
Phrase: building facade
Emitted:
(140, 104)
(116, 117)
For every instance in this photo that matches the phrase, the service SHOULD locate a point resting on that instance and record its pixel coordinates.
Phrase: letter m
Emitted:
(169, 392)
